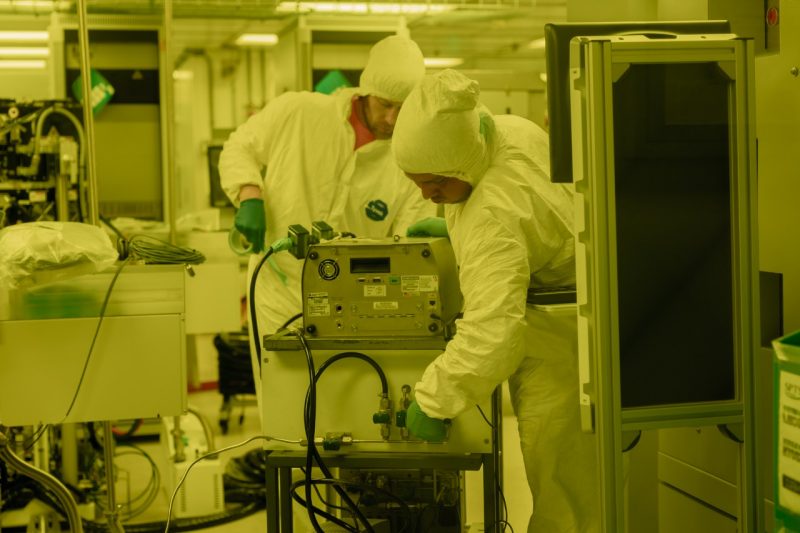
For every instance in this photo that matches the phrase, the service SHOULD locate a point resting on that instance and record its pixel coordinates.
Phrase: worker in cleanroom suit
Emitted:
(511, 229)
(327, 157)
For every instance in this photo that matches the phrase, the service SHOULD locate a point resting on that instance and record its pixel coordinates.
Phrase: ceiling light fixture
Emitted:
(363, 7)
(28, 4)
(26, 36)
(257, 39)
(11, 51)
(536, 44)
(26, 64)
(443, 62)
(182, 75)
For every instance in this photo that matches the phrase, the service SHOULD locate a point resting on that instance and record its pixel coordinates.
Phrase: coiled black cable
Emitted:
(309, 418)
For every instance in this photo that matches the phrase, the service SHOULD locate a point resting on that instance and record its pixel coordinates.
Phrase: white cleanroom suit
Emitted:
(514, 231)
(305, 142)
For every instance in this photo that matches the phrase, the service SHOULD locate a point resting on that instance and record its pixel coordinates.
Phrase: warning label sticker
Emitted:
(317, 304)
(419, 283)
(372, 291)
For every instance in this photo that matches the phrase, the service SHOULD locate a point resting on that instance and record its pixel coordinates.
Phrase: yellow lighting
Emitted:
(43, 4)
(257, 39)
(24, 36)
(182, 75)
(363, 7)
(22, 63)
(442, 62)
(536, 44)
(24, 52)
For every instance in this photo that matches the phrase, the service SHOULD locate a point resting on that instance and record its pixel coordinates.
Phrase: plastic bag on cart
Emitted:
(43, 252)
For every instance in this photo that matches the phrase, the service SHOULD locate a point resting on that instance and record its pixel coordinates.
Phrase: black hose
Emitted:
(252, 293)
(309, 418)
(361, 356)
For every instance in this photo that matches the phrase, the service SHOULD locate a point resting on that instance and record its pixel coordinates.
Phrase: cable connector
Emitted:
(282, 244)
(332, 442)
(300, 239)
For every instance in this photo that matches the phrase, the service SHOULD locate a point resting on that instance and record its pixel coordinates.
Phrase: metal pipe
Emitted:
(62, 197)
(88, 117)
(497, 456)
(112, 515)
(61, 492)
(211, 79)
(69, 454)
(208, 431)
(170, 124)
(177, 440)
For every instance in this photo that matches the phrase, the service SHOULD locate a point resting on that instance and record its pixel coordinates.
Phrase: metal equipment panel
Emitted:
(664, 164)
(348, 395)
(136, 368)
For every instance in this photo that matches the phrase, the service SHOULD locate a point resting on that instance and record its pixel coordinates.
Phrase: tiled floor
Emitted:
(209, 402)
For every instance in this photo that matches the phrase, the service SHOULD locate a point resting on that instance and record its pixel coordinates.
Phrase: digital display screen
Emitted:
(370, 265)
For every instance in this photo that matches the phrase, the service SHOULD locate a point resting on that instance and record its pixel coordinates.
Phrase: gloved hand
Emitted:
(251, 222)
(428, 227)
(424, 427)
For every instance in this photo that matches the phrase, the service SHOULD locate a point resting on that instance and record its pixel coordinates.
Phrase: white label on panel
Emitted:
(385, 306)
(412, 284)
(318, 304)
(374, 290)
(789, 442)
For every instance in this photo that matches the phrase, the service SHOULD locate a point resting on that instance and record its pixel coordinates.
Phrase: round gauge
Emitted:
(328, 269)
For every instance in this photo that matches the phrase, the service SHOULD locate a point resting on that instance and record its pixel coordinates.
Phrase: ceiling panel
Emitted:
(476, 30)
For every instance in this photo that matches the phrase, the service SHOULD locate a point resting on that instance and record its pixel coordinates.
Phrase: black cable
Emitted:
(288, 322)
(108, 223)
(504, 521)
(361, 356)
(252, 295)
(128, 433)
(635, 441)
(309, 421)
(324, 501)
(36, 436)
(92, 436)
(341, 484)
(312, 454)
(94, 338)
(384, 393)
(316, 510)
(310, 414)
(484, 416)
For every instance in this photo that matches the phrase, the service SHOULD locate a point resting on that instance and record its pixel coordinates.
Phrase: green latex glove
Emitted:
(424, 427)
(251, 222)
(428, 227)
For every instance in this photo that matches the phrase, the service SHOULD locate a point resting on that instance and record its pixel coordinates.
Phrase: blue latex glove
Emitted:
(424, 427)
(251, 222)
(428, 227)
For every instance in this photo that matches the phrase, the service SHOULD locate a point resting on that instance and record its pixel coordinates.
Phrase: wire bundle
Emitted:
(156, 251)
